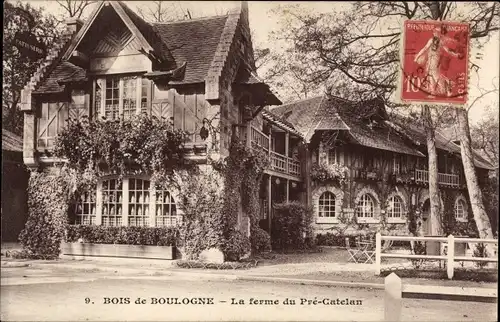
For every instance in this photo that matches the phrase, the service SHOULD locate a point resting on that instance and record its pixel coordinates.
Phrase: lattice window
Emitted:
(138, 206)
(112, 198)
(85, 208)
(166, 210)
(395, 207)
(112, 106)
(326, 204)
(145, 95)
(333, 156)
(365, 207)
(129, 99)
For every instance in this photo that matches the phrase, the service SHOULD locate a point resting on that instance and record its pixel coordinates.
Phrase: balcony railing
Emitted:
(279, 162)
(451, 180)
(259, 139)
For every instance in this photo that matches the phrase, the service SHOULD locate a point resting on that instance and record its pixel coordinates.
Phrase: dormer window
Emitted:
(121, 97)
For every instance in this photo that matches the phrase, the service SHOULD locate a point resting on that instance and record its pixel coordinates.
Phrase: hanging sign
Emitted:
(29, 46)
(434, 62)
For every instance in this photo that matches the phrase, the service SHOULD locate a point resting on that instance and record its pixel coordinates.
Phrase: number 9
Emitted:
(87, 300)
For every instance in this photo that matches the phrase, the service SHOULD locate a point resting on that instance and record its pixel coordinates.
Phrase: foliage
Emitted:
(243, 172)
(156, 236)
(363, 61)
(485, 135)
(236, 246)
(418, 248)
(201, 202)
(480, 251)
(113, 146)
(17, 69)
(260, 240)
(490, 198)
(48, 197)
(225, 265)
(323, 172)
(291, 226)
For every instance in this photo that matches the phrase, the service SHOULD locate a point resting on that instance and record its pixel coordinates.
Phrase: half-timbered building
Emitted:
(386, 164)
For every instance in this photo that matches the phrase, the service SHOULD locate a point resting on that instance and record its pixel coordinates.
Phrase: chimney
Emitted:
(74, 24)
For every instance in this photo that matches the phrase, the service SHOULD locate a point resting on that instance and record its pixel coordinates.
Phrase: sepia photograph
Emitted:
(250, 161)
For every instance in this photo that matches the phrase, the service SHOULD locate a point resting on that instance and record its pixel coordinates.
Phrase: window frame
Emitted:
(390, 210)
(326, 214)
(363, 199)
(99, 85)
(147, 193)
(460, 201)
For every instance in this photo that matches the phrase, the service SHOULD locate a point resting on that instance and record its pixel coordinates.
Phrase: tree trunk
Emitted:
(435, 201)
(475, 194)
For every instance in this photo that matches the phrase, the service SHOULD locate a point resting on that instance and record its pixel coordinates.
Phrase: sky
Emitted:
(262, 22)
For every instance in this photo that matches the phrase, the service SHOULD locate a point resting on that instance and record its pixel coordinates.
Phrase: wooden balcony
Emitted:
(280, 164)
(445, 179)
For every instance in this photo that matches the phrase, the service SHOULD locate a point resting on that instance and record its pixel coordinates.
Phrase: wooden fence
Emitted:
(450, 257)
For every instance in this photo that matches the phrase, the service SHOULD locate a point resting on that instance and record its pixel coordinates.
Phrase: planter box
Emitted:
(117, 250)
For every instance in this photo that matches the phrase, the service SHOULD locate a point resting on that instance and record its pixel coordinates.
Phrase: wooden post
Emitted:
(269, 203)
(249, 135)
(287, 190)
(392, 298)
(378, 251)
(287, 145)
(451, 254)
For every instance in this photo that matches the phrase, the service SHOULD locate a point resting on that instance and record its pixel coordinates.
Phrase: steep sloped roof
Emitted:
(330, 113)
(62, 72)
(194, 42)
(11, 141)
(279, 121)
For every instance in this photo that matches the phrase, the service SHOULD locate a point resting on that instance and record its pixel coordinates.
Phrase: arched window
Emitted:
(166, 210)
(461, 209)
(365, 207)
(326, 204)
(395, 209)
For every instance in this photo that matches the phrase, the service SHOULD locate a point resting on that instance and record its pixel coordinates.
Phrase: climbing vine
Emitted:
(243, 171)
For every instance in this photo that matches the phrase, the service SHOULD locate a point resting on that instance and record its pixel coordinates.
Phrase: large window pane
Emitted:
(138, 207)
(112, 199)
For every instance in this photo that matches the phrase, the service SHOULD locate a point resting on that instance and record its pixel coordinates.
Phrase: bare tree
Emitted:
(164, 11)
(75, 8)
(356, 52)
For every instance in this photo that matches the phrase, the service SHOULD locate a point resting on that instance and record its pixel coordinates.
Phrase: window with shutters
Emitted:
(117, 97)
(51, 119)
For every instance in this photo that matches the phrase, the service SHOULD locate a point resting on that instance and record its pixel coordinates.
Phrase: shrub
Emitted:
(156, 236)
(291, 226)
(261, 241)
(236, 246)
(480, 251)
(48, 196)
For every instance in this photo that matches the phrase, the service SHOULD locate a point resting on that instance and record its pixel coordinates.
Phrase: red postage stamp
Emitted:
(434, 62)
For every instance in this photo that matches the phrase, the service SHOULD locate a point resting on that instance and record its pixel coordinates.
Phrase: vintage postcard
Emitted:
(249, 161)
